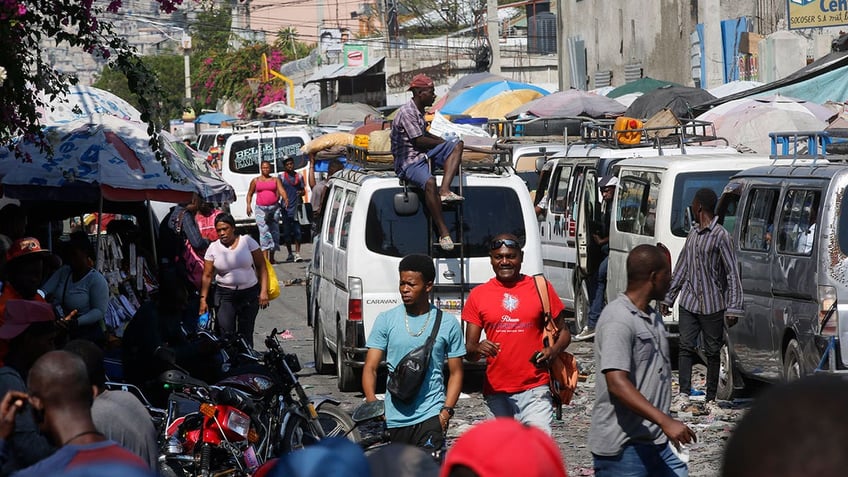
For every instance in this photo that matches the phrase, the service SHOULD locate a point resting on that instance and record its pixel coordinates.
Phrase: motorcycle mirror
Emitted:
(179, 378)
(368, 411)
(163, 353)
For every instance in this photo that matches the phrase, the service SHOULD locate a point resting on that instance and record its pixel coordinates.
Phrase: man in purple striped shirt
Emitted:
(710, 292)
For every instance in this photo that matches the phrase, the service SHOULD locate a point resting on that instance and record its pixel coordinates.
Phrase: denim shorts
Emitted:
(419, 173)
(533, 406)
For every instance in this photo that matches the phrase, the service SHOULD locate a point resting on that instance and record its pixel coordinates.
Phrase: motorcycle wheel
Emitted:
(336, 422)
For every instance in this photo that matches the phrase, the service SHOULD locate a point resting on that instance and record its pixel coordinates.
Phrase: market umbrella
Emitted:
(474, 79)
(109, 159)
(279, 108)
(746, 124)
(482, 92)
(642, 85)
(572, 102)
(628, 99)
(339, 113)
(214, 119)
(679, 99)
(81, 102)
(502, 103)
(777, 101)
(733, 87)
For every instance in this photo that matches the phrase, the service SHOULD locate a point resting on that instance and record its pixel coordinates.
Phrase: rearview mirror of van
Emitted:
(540, 162)
(406, 203)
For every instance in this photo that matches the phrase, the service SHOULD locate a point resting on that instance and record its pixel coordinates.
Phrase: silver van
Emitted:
(790, 227)
(371, 221)
(568, 185)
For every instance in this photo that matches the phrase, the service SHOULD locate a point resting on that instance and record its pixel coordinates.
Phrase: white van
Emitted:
(568, 185)
(651, 205)
(251, 144)
(371, 222)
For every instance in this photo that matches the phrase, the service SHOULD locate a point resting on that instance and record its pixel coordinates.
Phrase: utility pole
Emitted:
(494, 35)
(185, 42)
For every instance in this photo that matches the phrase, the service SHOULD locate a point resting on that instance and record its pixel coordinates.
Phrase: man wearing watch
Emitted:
(423, 421)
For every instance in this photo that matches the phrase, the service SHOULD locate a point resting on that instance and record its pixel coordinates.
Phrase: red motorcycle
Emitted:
(206, 431)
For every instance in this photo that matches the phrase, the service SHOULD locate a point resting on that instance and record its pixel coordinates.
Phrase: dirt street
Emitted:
(288, 313)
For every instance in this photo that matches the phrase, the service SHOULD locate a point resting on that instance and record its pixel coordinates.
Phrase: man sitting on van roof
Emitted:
(413, 148)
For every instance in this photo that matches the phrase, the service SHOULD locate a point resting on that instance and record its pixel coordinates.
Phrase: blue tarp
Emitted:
(731, 35)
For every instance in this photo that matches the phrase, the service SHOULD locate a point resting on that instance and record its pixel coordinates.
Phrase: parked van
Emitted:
(790, 226)
(568, 187)
(651, 205)
(372, 221)
(251, 144)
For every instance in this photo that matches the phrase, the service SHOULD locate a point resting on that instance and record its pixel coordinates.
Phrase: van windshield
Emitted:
(488, 211)
(685, 187)
(244, 156)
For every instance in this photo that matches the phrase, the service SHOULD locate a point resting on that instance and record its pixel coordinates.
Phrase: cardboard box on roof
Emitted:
(749, 43)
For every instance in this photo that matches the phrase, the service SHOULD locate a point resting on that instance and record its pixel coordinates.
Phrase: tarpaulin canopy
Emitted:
(111, 159)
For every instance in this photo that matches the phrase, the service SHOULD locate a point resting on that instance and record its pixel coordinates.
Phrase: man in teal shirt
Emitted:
(423, 421)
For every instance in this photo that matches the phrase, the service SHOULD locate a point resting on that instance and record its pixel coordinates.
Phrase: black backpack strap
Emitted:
(436, 325)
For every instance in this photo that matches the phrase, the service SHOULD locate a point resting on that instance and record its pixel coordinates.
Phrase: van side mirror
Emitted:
(540, 162)
(406, 203)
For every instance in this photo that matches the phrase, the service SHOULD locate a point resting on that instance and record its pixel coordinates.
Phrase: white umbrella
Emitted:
(86, 102)
(628, 99)
(746, 123)
(279, 108)
(733, 87)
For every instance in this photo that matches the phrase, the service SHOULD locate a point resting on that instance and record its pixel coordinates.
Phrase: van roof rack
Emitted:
(473, 159)
(267, 125)
(693, 131)
(813, 145)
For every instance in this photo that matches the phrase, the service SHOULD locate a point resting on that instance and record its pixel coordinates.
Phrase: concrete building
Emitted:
(695, 43)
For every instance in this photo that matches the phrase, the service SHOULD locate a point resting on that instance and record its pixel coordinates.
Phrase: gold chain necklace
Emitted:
(415, 335)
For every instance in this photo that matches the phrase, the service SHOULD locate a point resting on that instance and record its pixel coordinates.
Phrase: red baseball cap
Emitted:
(540, 456)
(421, 81)
(23, 247)
(22, 313)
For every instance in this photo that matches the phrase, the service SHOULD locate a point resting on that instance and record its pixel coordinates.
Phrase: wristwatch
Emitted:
(448, 409)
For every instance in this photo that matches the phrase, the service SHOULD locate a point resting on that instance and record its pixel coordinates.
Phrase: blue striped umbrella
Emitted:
(482, 92)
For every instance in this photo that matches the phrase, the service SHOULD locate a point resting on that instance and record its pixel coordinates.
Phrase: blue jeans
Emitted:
(600, 291)
(641, 460)
(533, 406)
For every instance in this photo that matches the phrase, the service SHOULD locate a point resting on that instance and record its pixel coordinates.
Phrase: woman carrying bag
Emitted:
(241, 280)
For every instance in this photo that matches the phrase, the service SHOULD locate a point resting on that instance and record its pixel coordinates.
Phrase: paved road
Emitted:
(288, 312)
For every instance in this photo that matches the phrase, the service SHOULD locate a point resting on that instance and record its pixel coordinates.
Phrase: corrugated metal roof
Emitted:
(328, 72)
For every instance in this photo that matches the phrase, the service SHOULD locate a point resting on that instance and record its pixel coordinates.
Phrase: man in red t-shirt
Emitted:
(508, 308)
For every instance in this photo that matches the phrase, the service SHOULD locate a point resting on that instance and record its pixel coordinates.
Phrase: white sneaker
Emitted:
(680, 402)
(297, 258)
(585, 334)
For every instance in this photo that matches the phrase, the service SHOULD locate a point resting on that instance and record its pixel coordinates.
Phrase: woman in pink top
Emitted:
(268, 191)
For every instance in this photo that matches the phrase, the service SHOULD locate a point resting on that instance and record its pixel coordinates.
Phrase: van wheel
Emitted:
(581, 306)
(792, 362)
(323, 358)
(346, 374)
(725, 374)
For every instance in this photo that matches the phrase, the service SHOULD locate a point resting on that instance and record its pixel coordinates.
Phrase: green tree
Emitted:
(288, 43)
(23, 64)
(211, 33)
(169, 72)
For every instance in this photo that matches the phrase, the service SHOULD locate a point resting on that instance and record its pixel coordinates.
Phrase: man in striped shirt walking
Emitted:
(710, 292)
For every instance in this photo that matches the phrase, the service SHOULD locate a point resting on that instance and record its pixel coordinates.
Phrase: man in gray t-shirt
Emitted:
(631, 429)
